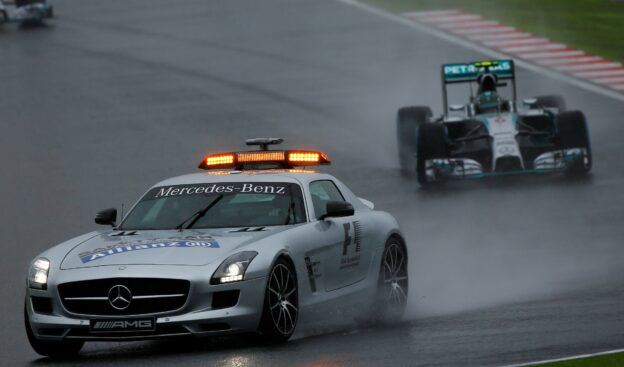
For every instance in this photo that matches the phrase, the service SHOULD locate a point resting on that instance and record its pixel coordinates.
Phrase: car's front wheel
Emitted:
(281, 303)
(393, 284)
(51, 348)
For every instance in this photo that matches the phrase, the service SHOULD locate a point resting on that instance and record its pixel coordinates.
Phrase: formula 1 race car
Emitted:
(490, 136)
(254, 244)
(26, 12)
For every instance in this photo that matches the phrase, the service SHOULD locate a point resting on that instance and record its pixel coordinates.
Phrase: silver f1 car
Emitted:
(254, 244)
(490, 135)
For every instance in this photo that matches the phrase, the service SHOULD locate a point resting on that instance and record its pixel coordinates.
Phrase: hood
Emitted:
(191, 247)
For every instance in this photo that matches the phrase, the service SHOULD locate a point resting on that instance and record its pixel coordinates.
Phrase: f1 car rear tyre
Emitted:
(431, 145)
(50, 12)
(3, 17)
(51, 348)
(393, 284)
(572, 133)
(281, 303)
(552, 101)
(409, 119)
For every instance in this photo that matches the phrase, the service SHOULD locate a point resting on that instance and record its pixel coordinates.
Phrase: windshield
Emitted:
(243, 204)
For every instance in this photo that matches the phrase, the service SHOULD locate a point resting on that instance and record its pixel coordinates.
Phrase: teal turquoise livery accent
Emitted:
(467, 72)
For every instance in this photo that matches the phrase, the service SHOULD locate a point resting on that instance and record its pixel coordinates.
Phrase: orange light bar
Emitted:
(219, 160)
(260, 156)
(286, 159)
(311, 157)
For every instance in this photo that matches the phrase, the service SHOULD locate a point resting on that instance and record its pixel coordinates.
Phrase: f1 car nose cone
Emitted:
(119, 297)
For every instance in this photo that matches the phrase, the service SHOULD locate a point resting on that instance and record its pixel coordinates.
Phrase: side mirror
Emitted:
(529, 101)
(338, 209)
(106, 216)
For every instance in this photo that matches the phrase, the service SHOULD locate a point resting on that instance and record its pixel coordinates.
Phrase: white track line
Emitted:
(549, 55)
(543, 47)
(462, 42)
(484, 30)
(452, 18)
(609, 80)
(589, 66)
(570, 60)
(516, 42)
(501, 36)
(586, 74)
(567, 358)
(469, 25)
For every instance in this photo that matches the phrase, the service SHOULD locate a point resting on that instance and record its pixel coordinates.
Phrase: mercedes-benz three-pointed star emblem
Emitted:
(119, 297)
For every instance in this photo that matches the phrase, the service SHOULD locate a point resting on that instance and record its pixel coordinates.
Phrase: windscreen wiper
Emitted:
(198, 214)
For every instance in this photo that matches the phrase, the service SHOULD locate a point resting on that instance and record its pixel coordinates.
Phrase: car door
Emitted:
(346, 240)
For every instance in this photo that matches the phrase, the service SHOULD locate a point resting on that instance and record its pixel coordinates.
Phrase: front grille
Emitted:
(148, 296)
(42, 304)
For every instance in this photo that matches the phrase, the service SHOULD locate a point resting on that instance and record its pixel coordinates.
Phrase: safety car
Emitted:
(255, 243)
(491, 135)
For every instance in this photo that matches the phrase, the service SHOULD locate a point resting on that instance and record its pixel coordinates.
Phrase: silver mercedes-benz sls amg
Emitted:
(256, 243)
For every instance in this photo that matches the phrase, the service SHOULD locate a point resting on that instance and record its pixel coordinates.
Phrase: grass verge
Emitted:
(594, 26)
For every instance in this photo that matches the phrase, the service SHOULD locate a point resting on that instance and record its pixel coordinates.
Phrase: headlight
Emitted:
(38, 275)
(233, 268)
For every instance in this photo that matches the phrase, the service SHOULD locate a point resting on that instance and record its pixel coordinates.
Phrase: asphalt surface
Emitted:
(113, 96)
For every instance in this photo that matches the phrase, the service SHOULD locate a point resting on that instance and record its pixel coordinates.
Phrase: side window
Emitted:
(323, 192)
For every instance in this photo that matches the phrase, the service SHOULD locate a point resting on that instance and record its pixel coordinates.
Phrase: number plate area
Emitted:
(122, 325)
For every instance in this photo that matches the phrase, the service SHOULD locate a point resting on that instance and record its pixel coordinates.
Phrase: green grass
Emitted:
(609, 360)
(594, 26)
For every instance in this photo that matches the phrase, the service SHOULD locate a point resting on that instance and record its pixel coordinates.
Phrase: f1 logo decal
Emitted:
(347, 240)
(356, 239)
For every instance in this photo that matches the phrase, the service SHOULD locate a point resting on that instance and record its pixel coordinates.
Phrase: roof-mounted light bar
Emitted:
(262, 159)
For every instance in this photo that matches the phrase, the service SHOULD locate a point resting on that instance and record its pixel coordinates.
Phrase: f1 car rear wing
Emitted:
(469, 72)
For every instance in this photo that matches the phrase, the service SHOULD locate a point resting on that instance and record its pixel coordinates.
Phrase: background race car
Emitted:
(26, 12)
(491, 135)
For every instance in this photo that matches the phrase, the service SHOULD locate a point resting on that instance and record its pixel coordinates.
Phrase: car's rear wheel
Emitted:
(51, 348)
(551, 101)
(572, 133)
(281, 303)
(409, 119)
(431, 145)
(393, 284)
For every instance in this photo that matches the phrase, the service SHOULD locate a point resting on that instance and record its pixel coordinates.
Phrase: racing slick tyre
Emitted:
(50, 12)
(51, 348)
(393, 284)
(552, 101)
(281, 303)
(409, 119)
(3, 17)
(431, 144)
(573, 133)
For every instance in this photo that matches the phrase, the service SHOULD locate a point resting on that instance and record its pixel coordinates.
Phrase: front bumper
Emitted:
(196, 317)
(549, 162)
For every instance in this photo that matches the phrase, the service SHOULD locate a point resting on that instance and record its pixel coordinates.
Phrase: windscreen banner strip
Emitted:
(273, 188)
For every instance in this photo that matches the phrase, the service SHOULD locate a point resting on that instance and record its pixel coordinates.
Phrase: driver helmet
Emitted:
(488, 102)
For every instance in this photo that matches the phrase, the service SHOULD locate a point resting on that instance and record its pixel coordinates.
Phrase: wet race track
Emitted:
(112, 96)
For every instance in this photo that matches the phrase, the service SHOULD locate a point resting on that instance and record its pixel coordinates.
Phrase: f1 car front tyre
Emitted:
(551, 101)
(572, 133)
(281, 303)
(431, 145)
(51, 348)
(409, 119)
(393, 283)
